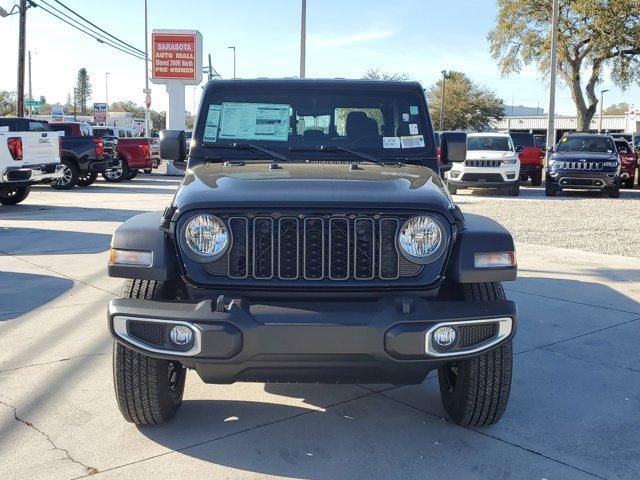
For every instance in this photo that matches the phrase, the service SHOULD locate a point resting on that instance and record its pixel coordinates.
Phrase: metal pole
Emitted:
(147, 116)
(210, 69)
(106, 95)
(444, 77)
(551, 140)
(303, 39)
(75, 104)
(22, 38)
(602, 92)
(234, 61)
(30, 92)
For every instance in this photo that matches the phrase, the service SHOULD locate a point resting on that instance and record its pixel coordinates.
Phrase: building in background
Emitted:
(520, 111)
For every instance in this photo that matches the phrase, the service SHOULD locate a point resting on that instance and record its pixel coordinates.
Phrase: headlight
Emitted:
(610, 164)
(206, 237)
(509, 161)
(421, 239)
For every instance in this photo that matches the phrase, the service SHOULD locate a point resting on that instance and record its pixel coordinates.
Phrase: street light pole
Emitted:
(147, 116)
(22, 39)
(602, 92)
(303, 39)
(444, 78)
(30, 92)
(106, 94)
(551, 133)
(234, 60)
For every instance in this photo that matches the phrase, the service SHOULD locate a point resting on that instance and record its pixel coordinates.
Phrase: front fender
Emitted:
(480, 235)
(142, 233)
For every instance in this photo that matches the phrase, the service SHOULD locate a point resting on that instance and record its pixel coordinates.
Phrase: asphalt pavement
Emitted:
(575, 403)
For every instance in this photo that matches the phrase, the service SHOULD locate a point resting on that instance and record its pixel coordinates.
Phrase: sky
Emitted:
(345, 38)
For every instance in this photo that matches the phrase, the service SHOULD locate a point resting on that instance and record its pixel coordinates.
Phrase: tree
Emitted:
(616, 109)
(83, 90)
(7, 103)
(159, 119)
(376, 74)
(593, 37)
(467, 106)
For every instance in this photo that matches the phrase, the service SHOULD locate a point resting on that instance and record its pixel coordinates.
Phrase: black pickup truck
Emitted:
(312, 240)
(83, 154)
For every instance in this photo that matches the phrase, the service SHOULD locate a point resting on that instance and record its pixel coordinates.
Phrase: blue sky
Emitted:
(345, 38)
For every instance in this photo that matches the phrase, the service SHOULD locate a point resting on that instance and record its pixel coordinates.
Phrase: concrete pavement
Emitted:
(573, 412)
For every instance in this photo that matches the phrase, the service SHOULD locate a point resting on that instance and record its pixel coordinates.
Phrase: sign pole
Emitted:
(147, 132)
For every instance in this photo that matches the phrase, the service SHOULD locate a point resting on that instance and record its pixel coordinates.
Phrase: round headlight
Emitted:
(421, 239)
(206, 237)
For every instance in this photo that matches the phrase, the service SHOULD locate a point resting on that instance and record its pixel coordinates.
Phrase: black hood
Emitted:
(313, 184)
(586, 156)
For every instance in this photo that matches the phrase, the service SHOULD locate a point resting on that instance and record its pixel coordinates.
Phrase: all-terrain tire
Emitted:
(536, 179)
(514, 191)
(549, 190)
(147, 170)
(148, 390)
(452, 190)
(87, 179)
(614, 191)
(70, 177)
(133, 173)
(13, 195)
(475, 392)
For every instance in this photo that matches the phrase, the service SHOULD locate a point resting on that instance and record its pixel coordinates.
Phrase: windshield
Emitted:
(486, 142)
(379, 122)
(523, 139)
(103, 132)
(623, 145)
(586, 144)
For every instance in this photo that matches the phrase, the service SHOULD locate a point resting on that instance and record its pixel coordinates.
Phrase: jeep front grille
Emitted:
(315, 247)
(483, 163)
(581, 166)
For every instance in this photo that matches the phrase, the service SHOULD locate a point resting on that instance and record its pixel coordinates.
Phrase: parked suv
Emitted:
(628, 162)
(584, 161)
(531, 155)
(312, 240)
(492, 162)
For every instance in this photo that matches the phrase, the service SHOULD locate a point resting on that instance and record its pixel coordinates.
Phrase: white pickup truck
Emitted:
(28, 154)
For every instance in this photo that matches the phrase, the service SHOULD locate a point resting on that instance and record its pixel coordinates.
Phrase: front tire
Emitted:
(70, 176)
(13, 195)
(536, 179)
(452, 190)
(147, 170)
(475, 392)
(148, 390)
(87, 179)
(614, 191)
(549, 190)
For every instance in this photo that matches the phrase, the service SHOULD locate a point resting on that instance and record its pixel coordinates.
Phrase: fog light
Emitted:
(444, 336)
(181, 335)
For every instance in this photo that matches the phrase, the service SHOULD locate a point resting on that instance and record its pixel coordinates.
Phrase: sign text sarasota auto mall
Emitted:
(173, 56)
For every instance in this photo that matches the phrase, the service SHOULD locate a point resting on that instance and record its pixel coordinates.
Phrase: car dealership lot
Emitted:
(574, 405)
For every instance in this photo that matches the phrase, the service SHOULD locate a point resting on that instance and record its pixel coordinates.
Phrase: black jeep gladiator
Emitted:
(312, 240)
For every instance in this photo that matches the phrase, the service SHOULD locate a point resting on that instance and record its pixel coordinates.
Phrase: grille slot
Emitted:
(483, 163)
(239, 251)
(313, 248)
(577, 165)
(471, 335)
(147, 332)
(288, 248)
(339, 249)
(364, 249)
(389, 257)
(263, 247)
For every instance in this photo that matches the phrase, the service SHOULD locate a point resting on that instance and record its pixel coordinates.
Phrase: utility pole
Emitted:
(30, 93)
(602, 92)
(22, 40)
(303, 39)
(551, 132)
(234, 60)
(444, 79)
(75, 104)
(147, 101)
(210, 69)
(106, 95)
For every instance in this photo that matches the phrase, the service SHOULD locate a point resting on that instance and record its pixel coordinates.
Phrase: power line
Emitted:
(89, 32)
(103, 31)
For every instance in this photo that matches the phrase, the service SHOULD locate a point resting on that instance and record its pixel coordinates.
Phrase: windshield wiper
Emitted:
(249, 146)
(337, 148)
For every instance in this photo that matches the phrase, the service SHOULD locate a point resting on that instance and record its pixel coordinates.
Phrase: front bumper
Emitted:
(33, 174)
(347, 341)
(483, 177)
(581, 180)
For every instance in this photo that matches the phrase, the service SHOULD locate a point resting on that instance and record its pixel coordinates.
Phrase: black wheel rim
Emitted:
(175, 371)
(451, 375)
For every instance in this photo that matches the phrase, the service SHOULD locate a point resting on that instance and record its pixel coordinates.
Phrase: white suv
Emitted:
(492, 162)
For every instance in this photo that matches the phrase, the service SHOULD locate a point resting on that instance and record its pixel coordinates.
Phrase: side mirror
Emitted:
(173, 145)
(453, 147)
(623, 150)
(519, 148)
(550, 149)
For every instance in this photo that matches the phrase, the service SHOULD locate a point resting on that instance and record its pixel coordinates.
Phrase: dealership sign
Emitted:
(176, 55)
(100, 112)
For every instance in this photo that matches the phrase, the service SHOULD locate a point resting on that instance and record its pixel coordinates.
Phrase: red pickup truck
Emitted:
(531, 156)
(134, 154)
(628, 162)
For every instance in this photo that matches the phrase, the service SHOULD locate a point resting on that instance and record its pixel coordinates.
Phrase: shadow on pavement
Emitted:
(17, 241)
(67, 213)
(123, 188)
(23, 292)
(530, 193)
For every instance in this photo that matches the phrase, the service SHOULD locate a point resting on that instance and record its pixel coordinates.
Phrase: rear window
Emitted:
(103, 132)
(623, 144)
(524, 139)
(61, 128)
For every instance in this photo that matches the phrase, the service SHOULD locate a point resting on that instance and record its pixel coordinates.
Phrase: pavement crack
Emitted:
(89, 470)
(55, 361)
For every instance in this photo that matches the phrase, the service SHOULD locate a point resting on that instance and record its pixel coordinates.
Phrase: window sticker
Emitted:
(255, 121)
(414, 141)
(413, 128)
(413, 110)
(212, 124)
(391, 142)
(405, 117)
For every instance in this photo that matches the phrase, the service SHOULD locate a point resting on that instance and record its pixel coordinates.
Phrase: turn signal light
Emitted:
(99, 146)
(15, 148)
(495, 260)
(130, 257)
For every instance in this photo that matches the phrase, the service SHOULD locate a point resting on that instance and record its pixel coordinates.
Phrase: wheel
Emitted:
(13, 195)
(475, 392)
(87, 179)
(628, 183)
(549, 190)
(452, 190)
(148, 390)
(147, 170)
(514, 191)
(117, 174)
(133, 173)
(614, 191)
(70, 176)
(536, 179)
